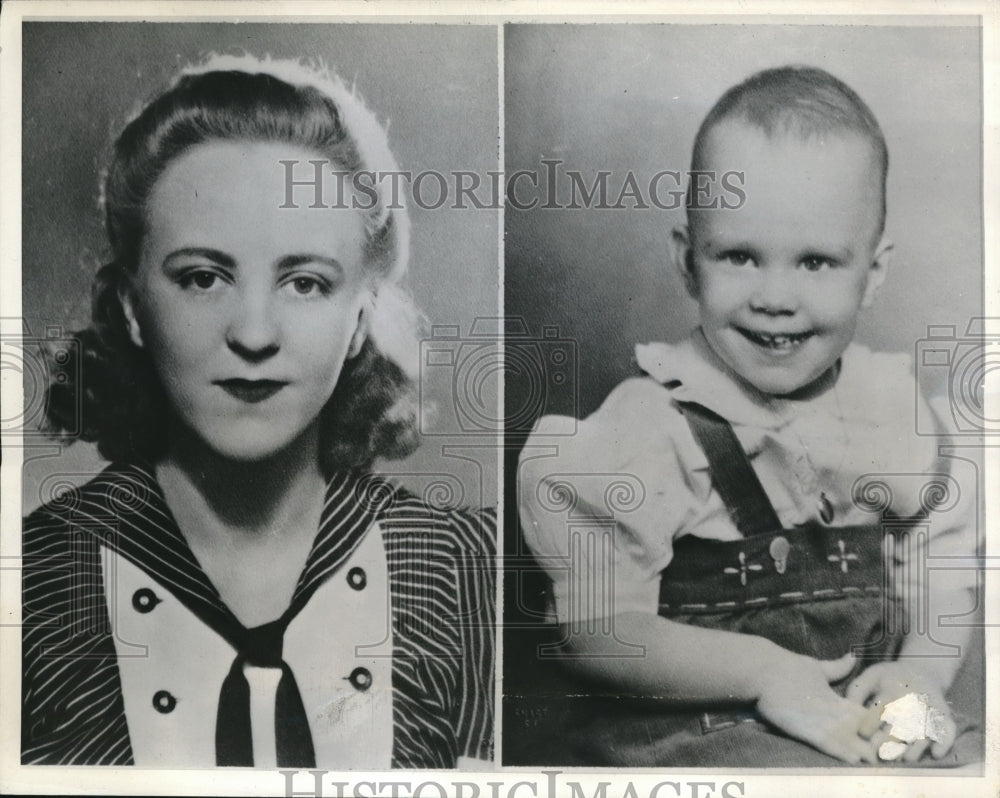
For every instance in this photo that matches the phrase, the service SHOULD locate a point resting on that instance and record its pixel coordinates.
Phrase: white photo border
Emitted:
(501, 782)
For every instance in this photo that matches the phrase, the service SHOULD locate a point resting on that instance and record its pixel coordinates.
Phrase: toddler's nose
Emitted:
(774, 293)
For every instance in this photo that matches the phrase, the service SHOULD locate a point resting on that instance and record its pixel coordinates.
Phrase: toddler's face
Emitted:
(780, 281)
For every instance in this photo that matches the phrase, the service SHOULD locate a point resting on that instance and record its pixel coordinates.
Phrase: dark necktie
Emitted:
(261, 647)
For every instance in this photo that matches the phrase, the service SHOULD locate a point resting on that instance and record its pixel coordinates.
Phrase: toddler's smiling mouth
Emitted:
(777, 342)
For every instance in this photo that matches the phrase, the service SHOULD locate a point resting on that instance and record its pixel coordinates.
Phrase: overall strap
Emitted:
(732, 474)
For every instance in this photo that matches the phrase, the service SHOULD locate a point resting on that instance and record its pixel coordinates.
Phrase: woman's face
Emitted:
(248, 310)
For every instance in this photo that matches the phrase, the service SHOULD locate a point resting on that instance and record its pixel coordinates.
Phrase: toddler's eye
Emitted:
(737, 258)
(815, 263)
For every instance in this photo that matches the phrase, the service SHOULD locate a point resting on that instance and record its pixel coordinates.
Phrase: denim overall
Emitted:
(817, 590)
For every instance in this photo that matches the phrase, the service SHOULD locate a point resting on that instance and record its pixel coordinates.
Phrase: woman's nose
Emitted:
(253, 331)
(775, 293)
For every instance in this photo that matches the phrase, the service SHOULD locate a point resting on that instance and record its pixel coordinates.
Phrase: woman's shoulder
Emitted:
(400, 511)
(119, 487)
(60, 542)
(433, 547)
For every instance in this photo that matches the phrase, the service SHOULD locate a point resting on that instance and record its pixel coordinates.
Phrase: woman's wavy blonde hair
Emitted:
(118, 400)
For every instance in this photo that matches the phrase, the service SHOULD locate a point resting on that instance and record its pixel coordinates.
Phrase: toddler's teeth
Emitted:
(779, 342)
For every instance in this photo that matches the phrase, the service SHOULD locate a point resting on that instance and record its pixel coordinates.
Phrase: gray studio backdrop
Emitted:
(437, 88)
(630, 98)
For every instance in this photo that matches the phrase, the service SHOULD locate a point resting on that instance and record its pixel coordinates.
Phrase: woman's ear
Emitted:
(126, 295)
(877, 271)
(361, 331)
(683, 257)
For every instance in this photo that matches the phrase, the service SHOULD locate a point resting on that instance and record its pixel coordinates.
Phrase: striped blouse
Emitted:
(436, 567)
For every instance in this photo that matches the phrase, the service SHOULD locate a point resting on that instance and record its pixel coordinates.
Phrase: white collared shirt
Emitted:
(601, 508)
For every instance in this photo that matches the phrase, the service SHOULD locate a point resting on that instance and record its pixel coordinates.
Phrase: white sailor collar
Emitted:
(176, 640)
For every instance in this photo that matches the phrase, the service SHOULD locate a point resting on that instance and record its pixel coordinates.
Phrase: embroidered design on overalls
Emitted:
(843, 557)
(779, 551)
(743, 569)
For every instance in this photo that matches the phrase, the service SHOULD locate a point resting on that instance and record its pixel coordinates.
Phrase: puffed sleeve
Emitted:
(952, 503)
(915, 471)
(473, 708)
(935, 556)
(600, 507)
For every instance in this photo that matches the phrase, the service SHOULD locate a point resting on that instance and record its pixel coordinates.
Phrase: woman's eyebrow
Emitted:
(291, 261)
(227, 261)
(202, 252)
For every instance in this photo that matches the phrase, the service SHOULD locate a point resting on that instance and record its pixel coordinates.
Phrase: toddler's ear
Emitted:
(126, 295)
(683, 257)
(877, 270)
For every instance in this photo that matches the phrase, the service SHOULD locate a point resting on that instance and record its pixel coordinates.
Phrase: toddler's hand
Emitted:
(797, 698)
(885, 682)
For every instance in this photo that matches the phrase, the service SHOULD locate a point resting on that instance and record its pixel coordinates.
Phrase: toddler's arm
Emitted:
(928, 662)
(705, 666)
(935, 652)
(933, 590)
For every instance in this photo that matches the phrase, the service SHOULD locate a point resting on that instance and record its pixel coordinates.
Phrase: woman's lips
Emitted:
(251, 391)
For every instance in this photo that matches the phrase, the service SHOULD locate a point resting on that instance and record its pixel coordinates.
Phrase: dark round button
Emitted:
(144, 600)
(357, 578)
(361, 679)
(825, 507)
(164, 702)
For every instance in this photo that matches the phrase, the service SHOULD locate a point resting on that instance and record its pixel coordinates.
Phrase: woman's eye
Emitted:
(201, 279)
(815, 263)
(308, 286)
